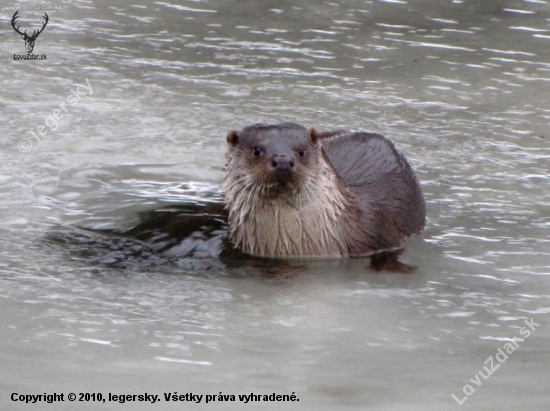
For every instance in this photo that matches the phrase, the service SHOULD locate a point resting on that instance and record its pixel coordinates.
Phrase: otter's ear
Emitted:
(232, 138)
(314, 135)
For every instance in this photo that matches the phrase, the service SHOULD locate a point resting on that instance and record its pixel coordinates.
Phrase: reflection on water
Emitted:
(460, 86)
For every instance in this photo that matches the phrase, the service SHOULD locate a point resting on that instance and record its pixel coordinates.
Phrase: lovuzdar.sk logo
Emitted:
(29, 39)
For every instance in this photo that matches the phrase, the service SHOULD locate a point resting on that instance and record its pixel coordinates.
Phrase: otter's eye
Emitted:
(301, 152)
(257, 151)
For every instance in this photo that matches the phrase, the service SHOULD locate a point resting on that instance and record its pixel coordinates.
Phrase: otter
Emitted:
(297, 193)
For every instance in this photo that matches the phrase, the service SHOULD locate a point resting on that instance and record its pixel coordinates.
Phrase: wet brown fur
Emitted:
(320, 208)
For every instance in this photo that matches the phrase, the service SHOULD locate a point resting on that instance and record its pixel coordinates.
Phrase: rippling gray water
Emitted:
(461, 86)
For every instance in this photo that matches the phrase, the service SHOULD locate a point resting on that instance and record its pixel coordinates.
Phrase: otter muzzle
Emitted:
(282, 162)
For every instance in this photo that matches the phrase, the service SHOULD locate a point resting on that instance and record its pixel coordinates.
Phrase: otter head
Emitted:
(276, 158)
(282, 195)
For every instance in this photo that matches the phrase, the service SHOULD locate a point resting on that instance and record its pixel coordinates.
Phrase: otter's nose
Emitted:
(282, 162)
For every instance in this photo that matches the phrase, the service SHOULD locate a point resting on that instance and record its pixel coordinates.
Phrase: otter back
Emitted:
(377, 172)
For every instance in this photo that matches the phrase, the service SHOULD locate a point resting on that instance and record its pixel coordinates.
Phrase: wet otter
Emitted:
(297, 193)
(290, 192)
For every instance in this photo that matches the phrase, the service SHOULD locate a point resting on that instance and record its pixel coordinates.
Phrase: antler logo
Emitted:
(29, 40)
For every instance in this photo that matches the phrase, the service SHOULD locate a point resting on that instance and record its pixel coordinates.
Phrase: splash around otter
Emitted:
(293, 192)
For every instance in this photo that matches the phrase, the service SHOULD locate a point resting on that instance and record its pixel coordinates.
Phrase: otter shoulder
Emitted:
(379, 175)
